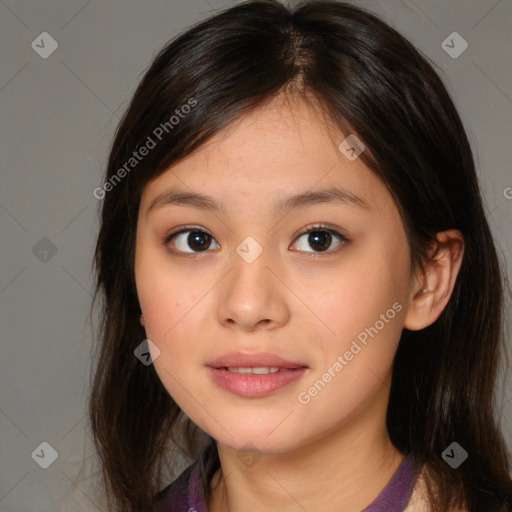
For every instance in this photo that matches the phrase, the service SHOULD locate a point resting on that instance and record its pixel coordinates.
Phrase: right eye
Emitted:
(190, 238)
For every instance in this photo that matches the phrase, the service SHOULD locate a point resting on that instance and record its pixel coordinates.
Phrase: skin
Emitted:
(293, 300)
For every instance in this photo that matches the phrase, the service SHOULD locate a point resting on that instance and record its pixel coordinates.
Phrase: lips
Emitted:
(260, 360)
(254, 375)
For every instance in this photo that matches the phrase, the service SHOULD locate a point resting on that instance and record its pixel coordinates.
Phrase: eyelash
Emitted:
(344, 241)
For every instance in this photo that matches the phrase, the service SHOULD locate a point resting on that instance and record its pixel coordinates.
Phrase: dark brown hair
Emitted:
(372, 82)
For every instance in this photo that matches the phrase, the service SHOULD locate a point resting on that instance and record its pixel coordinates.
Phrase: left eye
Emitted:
(319, 237)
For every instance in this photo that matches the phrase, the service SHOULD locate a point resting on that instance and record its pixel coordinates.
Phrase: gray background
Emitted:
(58, 118)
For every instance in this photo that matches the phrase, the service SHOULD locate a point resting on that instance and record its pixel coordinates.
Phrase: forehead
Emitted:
(285, 147)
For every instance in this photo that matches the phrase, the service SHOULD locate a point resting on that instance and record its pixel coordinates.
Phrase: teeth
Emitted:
(257, 370)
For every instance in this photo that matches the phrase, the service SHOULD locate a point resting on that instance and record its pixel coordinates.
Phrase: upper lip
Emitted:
(262, 359)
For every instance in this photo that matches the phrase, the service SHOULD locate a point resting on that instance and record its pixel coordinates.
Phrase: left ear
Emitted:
(432, 289)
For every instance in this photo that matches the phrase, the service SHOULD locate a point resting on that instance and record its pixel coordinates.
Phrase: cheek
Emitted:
(354, 362)
(173, 322)
(354, 296)
(170, 310)
(169, 294)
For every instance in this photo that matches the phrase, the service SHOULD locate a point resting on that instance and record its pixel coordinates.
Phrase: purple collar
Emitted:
(395, 496)
(184, 494)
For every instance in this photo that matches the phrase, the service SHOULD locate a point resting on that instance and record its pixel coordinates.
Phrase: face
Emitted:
(320, 281)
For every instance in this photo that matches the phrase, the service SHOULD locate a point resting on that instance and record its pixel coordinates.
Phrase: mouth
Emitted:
(254, 375)
(259, 363)
(257, 370)
(256, 381)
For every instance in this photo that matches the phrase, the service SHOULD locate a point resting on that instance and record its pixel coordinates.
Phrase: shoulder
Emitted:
(175, 497)
(418, 501)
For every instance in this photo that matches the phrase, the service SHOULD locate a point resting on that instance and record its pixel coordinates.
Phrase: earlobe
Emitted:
(419, 314)
(434, 287)
(142, 320)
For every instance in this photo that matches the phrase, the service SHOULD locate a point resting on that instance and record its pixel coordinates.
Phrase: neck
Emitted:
(344, 470)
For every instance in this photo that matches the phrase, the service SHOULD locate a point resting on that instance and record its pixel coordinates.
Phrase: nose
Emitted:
(253, 297)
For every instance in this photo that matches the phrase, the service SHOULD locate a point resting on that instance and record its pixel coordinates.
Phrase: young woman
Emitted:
(300, 288)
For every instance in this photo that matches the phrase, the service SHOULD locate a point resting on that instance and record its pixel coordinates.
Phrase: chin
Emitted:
(245, 440)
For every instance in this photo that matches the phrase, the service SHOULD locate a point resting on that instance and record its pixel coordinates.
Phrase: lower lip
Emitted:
(254, 386)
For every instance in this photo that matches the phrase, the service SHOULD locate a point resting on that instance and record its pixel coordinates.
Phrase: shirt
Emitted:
(183, 495)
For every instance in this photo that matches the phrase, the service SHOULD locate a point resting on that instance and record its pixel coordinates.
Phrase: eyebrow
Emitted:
(305, 199)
